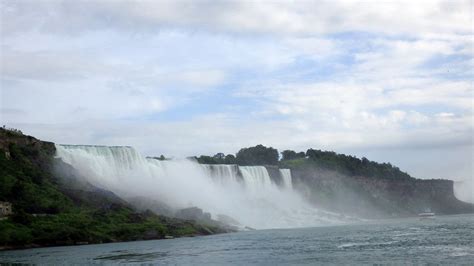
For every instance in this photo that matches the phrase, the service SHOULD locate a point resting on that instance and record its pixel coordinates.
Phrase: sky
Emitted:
(388, 80)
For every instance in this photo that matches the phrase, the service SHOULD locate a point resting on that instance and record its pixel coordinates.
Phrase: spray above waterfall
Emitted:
(245, 193)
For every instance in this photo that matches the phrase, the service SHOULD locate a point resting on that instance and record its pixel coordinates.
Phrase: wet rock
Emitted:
(193, 213)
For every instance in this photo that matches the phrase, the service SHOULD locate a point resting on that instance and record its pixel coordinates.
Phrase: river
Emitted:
(444, 240)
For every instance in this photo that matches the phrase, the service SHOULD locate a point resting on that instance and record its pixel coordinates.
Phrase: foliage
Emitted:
(45, 215)
(25, 178)
(348, 165)
(230, 159)
(292, 155)
(83, 225)
(258, 155)
(296, 163)
(218, 158)
(204, 159)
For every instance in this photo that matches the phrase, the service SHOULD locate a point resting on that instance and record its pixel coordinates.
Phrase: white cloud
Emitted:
(343, 75)
(274, 17)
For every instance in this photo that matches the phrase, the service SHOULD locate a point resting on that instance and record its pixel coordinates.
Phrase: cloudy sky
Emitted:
(389, 80)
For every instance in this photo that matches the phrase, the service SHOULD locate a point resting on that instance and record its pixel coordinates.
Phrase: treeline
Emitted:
(218, 158)
(353, 166)
(346, 164)
(258, 155)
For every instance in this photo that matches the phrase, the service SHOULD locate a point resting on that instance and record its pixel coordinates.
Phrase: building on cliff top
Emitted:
(5, 208)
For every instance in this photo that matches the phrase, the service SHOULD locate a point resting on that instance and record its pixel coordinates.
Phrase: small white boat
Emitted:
(427, 214)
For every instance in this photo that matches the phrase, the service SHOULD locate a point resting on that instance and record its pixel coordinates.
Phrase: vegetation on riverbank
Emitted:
(47, 212)
(82, 225)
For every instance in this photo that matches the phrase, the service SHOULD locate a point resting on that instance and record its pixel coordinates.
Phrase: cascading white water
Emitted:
(256, 178)
(286, 176)
(222, 173)
(256, 202)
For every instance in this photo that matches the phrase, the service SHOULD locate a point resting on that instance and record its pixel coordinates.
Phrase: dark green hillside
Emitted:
(344, 164)
(56, 210)
(25, 166)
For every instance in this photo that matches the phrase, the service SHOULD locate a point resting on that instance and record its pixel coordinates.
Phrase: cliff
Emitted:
(274, 173)
(51, 209)
(375, 196)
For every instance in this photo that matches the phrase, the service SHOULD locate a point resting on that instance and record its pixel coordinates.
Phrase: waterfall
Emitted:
(124, 171)
(256, 177)
(245, 193)
(286, 176)
(223, 173)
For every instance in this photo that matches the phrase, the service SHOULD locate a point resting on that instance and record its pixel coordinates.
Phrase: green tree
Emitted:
(230, 159)
(258, 155)
(219, 157)
(205, 159)
(291, 155)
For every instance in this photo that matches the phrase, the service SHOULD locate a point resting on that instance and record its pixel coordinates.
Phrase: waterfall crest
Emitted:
(245, 193)
(223, 173)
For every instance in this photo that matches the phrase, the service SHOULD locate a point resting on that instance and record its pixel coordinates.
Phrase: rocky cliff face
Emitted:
(11, 138)
(274, 173)
(374, 197)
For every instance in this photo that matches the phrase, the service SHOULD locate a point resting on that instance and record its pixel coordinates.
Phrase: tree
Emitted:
(230, 159)
(219, 157)
(258, 155)
(291, 155)
(204, 159)
(288, 155)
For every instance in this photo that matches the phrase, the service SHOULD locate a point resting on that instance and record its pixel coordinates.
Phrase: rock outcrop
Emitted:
(374, 197)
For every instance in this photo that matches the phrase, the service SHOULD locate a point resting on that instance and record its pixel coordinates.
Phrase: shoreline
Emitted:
(34, 246)
(367, 221)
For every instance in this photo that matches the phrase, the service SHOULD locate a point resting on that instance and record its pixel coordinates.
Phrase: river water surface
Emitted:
(444, 240)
